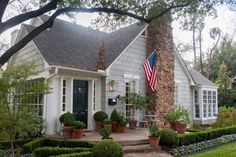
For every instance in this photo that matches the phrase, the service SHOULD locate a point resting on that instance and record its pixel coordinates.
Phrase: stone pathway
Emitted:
(151, 154)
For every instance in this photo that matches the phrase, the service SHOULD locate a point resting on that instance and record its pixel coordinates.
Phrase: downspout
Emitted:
(45, 81)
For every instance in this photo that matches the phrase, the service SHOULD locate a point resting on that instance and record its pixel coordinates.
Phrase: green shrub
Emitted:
(79, 125)
(100, 116)
(169, 138)
(190, 138)
(66, 117)
(50, 151)
(180, 115)
(107, 148)
(226, 117)
(31, 146)
(105, 133)
(7, 144)
(107, 121)
(82, 154)
(115, 115)
(154, 131)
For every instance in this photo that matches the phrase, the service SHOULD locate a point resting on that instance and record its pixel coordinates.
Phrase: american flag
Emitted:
(150, 70)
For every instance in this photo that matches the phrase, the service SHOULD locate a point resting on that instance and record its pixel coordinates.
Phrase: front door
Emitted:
(80, 100)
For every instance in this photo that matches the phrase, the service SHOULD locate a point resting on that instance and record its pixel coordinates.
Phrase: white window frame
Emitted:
(194, 104)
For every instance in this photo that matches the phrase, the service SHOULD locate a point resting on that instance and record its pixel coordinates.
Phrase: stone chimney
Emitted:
(14, 36)
(159, 37)
(100, 65)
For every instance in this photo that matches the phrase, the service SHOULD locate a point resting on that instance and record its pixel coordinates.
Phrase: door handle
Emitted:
(86, 110)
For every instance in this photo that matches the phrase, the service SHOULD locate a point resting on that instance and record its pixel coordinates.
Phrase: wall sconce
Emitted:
(112, 86)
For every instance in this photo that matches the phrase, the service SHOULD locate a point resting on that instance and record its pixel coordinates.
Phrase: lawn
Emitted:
(227, 150)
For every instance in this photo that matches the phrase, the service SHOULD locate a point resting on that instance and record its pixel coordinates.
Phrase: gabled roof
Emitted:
(200, 79)
(71, 45)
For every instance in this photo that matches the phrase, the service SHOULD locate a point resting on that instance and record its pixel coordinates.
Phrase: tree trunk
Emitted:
(200, 50)
(12, 144)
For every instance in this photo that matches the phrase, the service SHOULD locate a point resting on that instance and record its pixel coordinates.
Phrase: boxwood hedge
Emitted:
(82, 154)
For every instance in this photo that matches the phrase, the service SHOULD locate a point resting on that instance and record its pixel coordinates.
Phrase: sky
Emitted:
(226, 21)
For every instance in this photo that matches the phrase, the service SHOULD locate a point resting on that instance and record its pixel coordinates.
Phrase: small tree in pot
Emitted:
(107, 123)
(155, 135)
(99, 117)
(115, 119)
(78, 130)
(105, 133)
(67, 120)
(122, 124)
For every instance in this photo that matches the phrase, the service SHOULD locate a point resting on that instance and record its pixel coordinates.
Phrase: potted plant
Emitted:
(78, 130)
(99, 117)
(107, 123)
(115, 119)
(105, 133)
(179, 119)
(155, 135)
(67, 120)
(122, 124)
(138, 102)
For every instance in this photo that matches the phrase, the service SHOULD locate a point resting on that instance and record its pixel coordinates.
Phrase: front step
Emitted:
(133, 142)
(140, 148)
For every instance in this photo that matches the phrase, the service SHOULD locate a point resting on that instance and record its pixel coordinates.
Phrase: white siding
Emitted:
(183, 82)
(129, 63)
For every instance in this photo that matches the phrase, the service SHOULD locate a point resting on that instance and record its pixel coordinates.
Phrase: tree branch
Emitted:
(3, 6)
(26, 16)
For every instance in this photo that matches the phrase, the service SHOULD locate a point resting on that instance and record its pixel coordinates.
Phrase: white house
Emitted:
(69, 56)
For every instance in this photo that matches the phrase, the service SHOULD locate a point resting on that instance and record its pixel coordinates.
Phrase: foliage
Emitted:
(100, 116)
(227, 97)
(114, 115)
(16, 115)
(50, 151)
(223, 80)
(226, 117)
(82, 154)
(107, 148)
(67, 116)
(67, 121)
(191, 138)
(154, 131)
(107, 121)
(17, 143)
(122, 120)
(180, 115)
(79, 125)
(136, 99)
(203, 145)
(31, 146)
(105, 133)
(169, 138)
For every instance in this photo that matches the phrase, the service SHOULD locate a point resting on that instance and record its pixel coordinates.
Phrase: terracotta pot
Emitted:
(78, 133)
(180, 128)
(107, 126)
(132, 123)
(99, 125)
(154, 141)
(121, 129)
(172, 126)
(67, 131)
(114, 126)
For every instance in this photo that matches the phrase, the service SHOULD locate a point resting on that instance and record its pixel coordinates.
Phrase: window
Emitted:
(64, 95)
(196, 104)
(34, 102)
(129, 110)
(176, 94)
(209, 103)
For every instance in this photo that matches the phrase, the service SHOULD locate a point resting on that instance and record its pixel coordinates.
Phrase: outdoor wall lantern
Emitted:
(112, 86)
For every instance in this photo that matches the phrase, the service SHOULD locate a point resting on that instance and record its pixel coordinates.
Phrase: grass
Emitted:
(227, 150)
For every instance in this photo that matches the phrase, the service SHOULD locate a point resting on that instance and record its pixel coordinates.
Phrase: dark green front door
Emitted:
(80, 100)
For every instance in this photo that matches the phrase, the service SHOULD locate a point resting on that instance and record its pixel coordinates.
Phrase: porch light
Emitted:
(112, 86)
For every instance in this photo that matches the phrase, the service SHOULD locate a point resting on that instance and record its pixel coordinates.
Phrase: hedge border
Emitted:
(82, 154)
(7, 144)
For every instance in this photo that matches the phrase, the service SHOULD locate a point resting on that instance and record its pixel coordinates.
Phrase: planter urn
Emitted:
(180, 128)
(78, 133)
(154, 141)
(67, 131)
(121, 129)
(99, 125)
(114, 126)
(133, 123)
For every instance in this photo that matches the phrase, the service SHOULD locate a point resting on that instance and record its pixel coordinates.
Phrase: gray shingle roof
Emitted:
(70, 45)
(200, 79)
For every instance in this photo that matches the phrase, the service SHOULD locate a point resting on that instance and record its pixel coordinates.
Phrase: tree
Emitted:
(223, 80)
(115, 9)
(16, 115)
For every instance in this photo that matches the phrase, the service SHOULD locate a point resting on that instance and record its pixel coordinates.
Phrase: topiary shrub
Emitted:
(105, 133)
(169, 138)
(114, 115)
(100, 116)
(107, 148)
(67, 118)
(82, 154)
